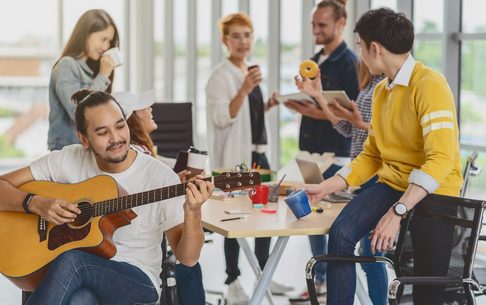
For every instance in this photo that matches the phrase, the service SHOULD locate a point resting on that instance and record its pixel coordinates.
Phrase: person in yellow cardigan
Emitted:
(413, 147)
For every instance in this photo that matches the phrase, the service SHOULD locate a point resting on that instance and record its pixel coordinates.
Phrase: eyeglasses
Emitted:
(247, 35)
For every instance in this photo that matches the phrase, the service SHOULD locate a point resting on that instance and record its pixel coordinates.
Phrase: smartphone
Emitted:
(181, 162)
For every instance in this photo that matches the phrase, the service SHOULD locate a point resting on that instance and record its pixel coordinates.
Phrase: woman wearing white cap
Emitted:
(141, 124)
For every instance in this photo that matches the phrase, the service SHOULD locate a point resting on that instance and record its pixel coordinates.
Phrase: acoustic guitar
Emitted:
(105, 207)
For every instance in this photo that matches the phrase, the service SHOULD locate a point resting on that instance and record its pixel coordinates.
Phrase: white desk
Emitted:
(282, 224)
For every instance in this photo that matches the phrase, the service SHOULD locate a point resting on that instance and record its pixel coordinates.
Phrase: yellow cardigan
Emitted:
(413, 136)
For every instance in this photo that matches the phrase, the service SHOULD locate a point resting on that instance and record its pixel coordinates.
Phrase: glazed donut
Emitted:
(308, 68)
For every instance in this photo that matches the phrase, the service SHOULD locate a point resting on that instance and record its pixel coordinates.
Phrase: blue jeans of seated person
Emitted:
(79, 278)
(375, 274)
(358, 218)
(190, 288)
(318, 243)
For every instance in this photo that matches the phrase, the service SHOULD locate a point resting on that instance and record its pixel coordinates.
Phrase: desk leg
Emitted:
(255, 265)
(269, 270)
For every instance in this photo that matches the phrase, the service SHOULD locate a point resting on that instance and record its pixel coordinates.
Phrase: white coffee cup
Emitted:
(196, 163)
(116, 55)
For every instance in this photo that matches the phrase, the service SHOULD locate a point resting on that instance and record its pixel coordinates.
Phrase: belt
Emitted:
(259, 148)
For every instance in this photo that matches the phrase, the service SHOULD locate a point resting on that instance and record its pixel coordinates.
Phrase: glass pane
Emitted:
(290, 59)
(424, 21)
(29, 47)
(384, 3)
(473, 20)
(229, 7)
(203, 68)
(473, 92)
(72, 10)
(475, 188)
(180, 41)
(429, 52)
(259, 18)
(159, 13)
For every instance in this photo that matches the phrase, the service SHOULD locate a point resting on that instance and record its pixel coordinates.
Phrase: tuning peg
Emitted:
(242, 193)
(231, 195)
(253, 191)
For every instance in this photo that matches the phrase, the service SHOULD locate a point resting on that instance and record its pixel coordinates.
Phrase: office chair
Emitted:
(174, 131)
(449, 228)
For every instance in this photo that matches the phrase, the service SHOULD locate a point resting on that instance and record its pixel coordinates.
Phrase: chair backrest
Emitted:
(445, 231)
(174, 131)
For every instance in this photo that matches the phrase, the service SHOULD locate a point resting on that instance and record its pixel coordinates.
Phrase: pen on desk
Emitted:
(234, 218)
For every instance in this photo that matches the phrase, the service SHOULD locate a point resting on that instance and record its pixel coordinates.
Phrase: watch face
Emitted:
(401, 209)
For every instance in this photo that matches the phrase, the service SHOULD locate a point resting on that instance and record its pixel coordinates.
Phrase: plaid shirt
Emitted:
(363, 103)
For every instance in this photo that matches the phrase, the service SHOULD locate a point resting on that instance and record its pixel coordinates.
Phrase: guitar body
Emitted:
(24, 259)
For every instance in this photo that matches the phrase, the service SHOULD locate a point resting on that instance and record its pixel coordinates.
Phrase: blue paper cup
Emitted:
(298, 203)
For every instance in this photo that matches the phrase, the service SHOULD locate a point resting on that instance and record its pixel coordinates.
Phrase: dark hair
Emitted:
(392, 30)
(90, 22)
(138, 134)
(86, 98)
(338, 6)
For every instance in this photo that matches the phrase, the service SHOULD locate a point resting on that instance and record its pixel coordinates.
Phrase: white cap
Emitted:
(131, 102)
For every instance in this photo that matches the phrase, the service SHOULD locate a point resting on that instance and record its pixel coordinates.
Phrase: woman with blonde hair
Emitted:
(238, 130)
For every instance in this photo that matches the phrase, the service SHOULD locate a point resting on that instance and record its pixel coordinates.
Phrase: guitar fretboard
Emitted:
(135, 200)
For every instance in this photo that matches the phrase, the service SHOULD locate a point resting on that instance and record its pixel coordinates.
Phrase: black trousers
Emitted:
(262, 244)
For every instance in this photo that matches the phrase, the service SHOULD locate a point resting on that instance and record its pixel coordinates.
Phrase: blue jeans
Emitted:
(79, 278)
(190, 288)
(358, 218)
(375, 274)
(318, 243)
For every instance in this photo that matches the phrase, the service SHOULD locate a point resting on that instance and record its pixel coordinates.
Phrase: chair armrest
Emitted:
(169, 283)
(422, 280)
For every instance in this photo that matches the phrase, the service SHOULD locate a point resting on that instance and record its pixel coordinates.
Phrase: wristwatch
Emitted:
(400, 209)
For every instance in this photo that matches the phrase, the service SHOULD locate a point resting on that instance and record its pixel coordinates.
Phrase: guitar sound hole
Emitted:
(87, 212)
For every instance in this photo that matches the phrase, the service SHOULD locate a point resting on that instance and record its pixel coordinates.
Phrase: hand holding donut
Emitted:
(312, 87)
(252, 79)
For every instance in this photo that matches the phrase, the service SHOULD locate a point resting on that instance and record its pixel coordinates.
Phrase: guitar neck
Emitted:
(122, 203)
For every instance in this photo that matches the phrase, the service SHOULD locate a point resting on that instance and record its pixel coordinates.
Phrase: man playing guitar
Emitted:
(132, 275)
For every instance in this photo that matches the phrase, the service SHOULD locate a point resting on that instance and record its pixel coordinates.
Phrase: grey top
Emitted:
(68, 76)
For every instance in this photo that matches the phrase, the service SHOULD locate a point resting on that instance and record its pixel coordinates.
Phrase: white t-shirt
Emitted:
(139, 242)
(322, 59)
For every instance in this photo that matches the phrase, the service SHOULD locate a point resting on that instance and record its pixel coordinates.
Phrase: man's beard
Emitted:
(326, 40)
(109, 159)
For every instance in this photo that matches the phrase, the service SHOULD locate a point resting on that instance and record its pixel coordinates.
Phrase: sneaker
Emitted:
(279, 289)
(303, 298)
(236, 295)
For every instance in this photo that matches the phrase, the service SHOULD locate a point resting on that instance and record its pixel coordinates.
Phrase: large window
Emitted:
(291, 57)
(27, 55)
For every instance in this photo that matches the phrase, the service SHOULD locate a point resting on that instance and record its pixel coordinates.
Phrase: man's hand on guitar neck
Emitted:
(195, 198)
(55, 211)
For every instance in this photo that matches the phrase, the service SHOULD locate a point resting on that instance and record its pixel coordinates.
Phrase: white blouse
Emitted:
(229, 139)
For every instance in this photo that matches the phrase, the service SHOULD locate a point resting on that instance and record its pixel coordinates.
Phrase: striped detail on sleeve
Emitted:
(436, 115)
(371, 132)
(435, 126)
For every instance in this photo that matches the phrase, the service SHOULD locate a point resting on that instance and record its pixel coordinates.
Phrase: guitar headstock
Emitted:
(236, 181)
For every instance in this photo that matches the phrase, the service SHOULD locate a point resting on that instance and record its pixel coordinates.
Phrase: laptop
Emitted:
(312, 175)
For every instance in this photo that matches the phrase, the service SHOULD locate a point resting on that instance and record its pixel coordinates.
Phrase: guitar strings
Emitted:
(116, 204)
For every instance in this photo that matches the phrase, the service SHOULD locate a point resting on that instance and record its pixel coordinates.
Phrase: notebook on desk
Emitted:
(312, 175)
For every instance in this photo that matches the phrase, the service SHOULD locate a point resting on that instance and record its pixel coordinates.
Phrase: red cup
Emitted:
(259, 194)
